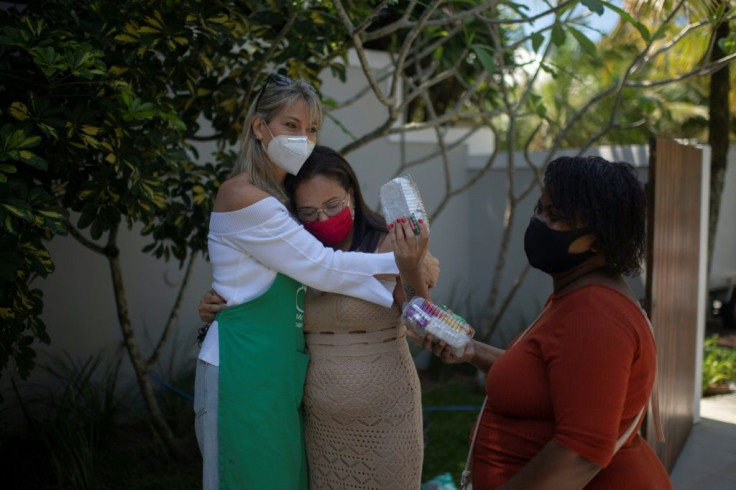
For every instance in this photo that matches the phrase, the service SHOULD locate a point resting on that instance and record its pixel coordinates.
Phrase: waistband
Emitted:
(323, 344)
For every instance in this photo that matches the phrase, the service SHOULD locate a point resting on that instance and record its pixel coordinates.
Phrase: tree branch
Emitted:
(708, 69)
(360, 51)
(405, 23)
(84, 240)
(371, 17)
(402, 23)
(507, 300)
(173, 315)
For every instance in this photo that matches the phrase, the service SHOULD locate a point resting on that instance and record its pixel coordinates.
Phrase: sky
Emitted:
(604, 23)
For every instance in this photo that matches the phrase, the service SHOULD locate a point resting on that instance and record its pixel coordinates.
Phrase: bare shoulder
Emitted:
(237, 193)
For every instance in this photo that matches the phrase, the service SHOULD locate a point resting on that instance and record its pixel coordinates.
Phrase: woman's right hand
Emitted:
(444, 351)
(410, 249)
(210, 304)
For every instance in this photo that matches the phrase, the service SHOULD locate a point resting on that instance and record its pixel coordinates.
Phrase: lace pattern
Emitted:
(362, 399)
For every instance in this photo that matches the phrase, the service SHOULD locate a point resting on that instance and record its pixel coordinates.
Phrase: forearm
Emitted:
(413, 284)
(554, 467)
(484, 355)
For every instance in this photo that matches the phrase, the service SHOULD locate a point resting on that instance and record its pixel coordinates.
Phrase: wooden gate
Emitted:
(674, 191)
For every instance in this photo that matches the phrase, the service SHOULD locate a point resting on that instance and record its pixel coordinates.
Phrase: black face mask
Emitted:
(546, 249)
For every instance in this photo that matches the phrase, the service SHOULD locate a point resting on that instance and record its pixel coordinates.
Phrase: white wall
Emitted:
(724, 248)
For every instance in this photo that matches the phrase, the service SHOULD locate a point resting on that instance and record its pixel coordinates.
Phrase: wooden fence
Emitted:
(674, 191)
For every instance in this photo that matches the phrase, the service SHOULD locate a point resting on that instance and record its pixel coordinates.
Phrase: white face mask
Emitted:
(289, 152)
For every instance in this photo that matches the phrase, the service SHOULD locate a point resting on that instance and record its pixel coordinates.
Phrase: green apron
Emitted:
(262, 370)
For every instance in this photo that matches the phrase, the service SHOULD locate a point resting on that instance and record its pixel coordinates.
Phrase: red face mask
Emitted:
(333, 230)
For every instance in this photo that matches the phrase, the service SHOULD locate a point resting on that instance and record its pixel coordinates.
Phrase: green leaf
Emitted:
(628, 18)
(485, 57)
(10, 259)
(728, 44)
(595, 6)
(537, 40)
(30, 158)
(48, 60)
(558, 35)
(585, 43)
(18, 211)
(7, 168)
(17, 139)
(541, 110)
(19, 111)
(87, 217)
(97, 228)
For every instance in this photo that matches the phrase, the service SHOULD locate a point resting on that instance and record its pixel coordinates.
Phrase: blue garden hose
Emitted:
(171, 388)
(433, 408)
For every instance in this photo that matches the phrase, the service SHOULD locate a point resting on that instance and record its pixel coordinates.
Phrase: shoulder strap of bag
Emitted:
(653, 406)
(465, 476)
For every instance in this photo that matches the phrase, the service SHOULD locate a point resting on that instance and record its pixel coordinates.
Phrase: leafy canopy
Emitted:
(101, 103)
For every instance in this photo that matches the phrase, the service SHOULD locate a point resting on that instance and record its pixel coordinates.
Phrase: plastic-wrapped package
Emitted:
(400, 199)
(423, 317)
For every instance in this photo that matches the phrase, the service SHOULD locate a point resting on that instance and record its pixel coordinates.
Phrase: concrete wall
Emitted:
(724, 248)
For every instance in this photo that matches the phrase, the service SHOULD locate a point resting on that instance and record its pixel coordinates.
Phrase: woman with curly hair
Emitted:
(567, 397)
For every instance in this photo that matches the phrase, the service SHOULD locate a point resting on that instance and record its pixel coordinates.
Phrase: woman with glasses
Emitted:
(362, 399)
(252, 363)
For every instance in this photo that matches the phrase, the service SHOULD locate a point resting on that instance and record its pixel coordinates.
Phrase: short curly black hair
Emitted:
(609, 198)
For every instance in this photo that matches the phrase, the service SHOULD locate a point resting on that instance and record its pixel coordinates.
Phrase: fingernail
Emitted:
(421, 220)
(391, 226)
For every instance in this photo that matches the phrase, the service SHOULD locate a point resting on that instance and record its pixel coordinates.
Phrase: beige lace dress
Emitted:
(362, 399)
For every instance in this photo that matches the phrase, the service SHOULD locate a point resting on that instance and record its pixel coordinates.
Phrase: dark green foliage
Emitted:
(83, 431)
(101, 102)
(76, 416)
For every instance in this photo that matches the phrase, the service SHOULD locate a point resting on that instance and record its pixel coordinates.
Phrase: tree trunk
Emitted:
(139, 363)
(718, 130)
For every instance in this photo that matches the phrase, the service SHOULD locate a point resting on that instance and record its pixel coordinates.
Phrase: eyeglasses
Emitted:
(331, 208)
(276, 79)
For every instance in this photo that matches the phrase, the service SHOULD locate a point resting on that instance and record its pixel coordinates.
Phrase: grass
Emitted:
(449, 430)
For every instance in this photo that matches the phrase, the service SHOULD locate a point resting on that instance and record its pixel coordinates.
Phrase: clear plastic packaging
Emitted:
(423, 317)
(400, 199)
